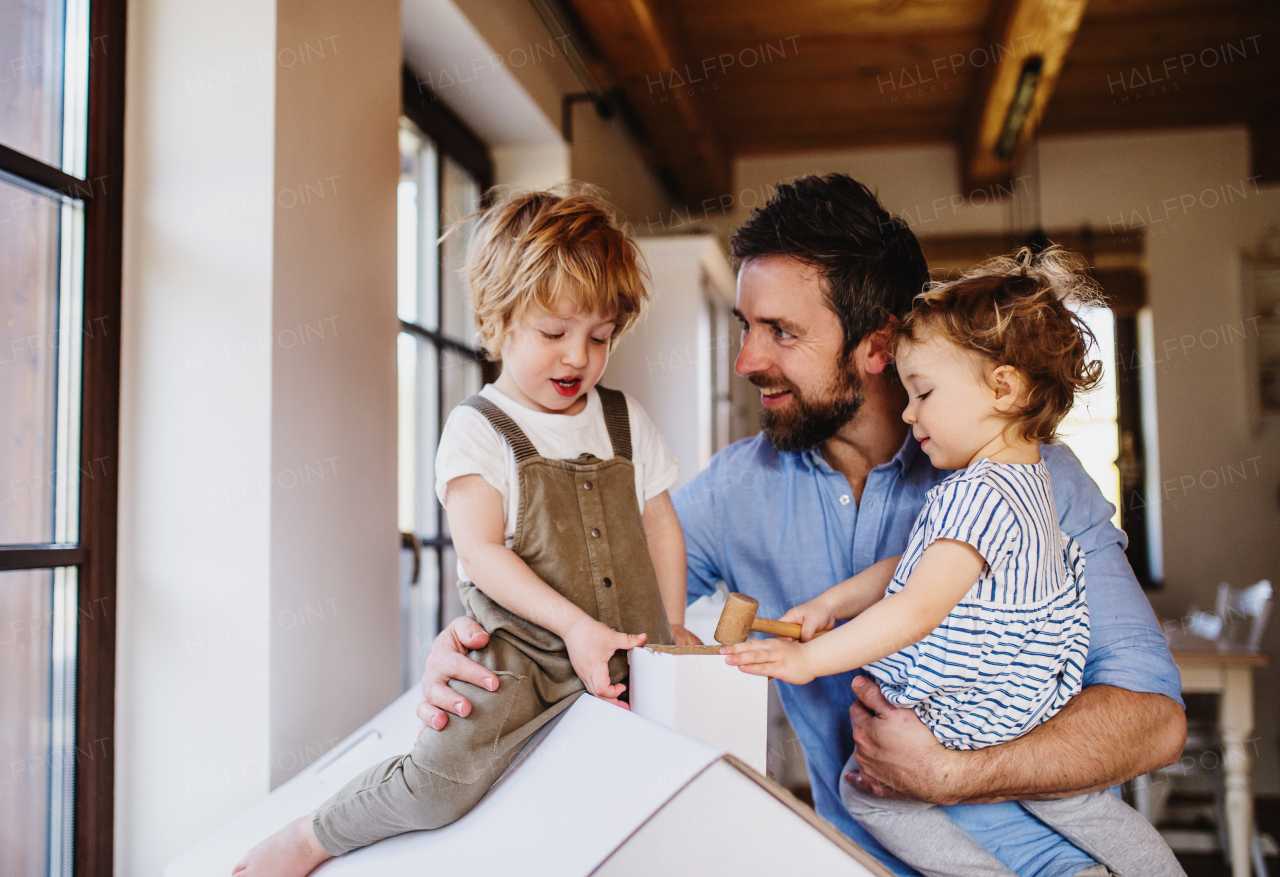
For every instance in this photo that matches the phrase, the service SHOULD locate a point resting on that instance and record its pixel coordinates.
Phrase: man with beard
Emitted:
(831, 486)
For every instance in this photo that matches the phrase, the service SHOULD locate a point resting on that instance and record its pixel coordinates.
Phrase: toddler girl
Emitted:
(569, 549)
(982, 626)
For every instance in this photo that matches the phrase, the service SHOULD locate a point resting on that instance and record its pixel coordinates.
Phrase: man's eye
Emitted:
(781, 333)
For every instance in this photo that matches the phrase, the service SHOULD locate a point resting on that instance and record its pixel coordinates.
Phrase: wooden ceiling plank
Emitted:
(640, 48)
(1034, 28)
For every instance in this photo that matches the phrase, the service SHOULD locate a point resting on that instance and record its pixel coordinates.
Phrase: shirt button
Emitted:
(595, 532)
(844, 499)
(586, 485)
(608, 583)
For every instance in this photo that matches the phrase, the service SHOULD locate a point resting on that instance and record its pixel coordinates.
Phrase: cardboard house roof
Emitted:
(600, 791)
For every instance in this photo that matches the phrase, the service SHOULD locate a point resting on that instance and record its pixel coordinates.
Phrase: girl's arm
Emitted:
(848, 599)
(945, 573)
(476, 522)
(665, 537)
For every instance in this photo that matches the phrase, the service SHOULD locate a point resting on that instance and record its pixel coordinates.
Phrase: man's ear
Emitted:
(1008, 384)
(876, 347)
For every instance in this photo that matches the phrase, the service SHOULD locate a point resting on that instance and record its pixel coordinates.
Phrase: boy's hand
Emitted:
(684, 636)
(591, 645)
(813, 616)
(783, 659)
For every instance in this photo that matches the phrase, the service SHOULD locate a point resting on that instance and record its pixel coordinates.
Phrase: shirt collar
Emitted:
(904, 459)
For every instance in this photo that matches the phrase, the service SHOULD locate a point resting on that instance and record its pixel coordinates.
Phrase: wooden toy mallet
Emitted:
(738, 619)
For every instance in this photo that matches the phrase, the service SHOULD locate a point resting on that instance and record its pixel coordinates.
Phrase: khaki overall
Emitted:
(580, 530)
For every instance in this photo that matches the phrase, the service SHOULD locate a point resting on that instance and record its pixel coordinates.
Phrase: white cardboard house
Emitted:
(600, 791)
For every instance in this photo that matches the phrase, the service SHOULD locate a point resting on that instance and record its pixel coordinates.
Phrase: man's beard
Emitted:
(808, 422)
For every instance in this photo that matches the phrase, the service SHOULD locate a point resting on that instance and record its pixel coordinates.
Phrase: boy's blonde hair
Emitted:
(1012, 310)
(563, 250)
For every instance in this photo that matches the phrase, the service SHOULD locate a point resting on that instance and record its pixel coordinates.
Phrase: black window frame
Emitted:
(455, 140)
(101, 192)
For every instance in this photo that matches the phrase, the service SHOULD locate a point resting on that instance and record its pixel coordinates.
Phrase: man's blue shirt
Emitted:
(783, 527)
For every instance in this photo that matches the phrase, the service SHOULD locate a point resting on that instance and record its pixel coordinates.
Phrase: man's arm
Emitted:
(1102, 737)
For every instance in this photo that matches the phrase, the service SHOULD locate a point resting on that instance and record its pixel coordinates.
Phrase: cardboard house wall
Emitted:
(600, 791)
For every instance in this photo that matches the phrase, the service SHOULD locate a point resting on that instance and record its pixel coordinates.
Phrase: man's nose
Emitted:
(749, 361)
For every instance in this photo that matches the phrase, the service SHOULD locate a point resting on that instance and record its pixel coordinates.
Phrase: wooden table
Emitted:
(1208, 667)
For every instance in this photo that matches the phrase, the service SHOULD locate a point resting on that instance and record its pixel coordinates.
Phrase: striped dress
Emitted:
(1012, 652)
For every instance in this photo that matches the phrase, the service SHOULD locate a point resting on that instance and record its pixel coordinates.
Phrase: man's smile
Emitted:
(772, 397)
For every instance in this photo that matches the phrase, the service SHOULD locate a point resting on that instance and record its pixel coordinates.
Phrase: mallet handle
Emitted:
(779, 628)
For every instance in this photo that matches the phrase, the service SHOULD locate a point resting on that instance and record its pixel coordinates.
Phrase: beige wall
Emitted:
(1228, 532)
(258, 549)
(334, 538)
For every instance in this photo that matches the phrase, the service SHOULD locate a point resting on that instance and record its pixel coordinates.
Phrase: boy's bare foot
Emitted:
(293, 851)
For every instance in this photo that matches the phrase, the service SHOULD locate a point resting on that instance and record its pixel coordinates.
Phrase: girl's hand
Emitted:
(591, 645)
(813, 616)
(783, 659)
(684, 636)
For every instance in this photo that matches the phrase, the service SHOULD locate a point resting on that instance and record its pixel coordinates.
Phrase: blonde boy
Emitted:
(569, 548)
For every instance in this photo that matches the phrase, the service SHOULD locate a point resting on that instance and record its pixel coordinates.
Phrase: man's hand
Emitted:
(591, 645)
(448, 660)
(1103, 736)
(897, 754)
(815, 615)
(783, 659)
(684, 636)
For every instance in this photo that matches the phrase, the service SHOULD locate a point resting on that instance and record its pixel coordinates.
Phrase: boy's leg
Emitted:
(1111, 831)
(921, 835)
(448, 771)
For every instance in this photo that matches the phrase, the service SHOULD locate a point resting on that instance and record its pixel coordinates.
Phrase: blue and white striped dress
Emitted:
(1012, 652)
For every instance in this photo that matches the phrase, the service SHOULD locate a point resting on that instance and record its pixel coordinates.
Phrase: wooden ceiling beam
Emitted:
(645, 57)
(1025, 30)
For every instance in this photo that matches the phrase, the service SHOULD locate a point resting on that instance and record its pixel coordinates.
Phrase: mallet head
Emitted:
(736, 618)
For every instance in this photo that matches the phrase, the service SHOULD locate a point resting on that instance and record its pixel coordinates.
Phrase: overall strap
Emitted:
(506, 427)
(616, 421)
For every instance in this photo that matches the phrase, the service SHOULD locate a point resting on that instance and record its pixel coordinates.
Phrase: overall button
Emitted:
(844, 499)
(595, 532)
(608, 583)
(586, 485)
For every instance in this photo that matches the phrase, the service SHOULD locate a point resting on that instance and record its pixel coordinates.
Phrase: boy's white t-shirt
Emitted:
(469, 445)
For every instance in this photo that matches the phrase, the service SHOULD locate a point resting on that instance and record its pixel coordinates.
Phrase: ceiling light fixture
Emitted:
(1014, 120)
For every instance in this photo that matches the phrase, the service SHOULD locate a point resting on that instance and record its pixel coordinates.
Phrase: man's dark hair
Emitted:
(870, 261)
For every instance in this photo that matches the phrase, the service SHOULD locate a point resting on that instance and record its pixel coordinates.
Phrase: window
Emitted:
(61, 142)
(439, 363)
(1092, 428)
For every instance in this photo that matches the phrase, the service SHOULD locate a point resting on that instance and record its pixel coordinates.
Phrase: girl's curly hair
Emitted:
(1012, 310)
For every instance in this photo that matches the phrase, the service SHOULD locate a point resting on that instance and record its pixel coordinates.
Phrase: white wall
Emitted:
(334, 538)
(258, 554)
(664, 362)
(1210, 533)
(495, 64)
(194, 565)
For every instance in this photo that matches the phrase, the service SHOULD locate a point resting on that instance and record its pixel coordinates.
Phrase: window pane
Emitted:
(40, 293)
(36, 102)
(37, 642)
(429, 426)
(449, 587)
(423, 609)
(1090, 429)
(407, 232)
(428, 186)
(460, 197)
